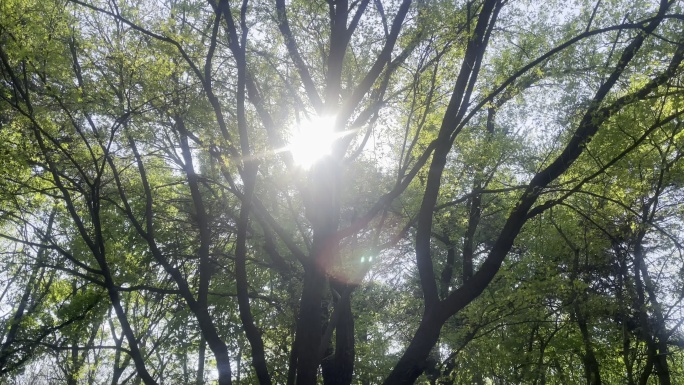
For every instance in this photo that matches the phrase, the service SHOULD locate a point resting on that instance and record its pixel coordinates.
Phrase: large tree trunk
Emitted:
(322, 209)
(414, 360)
(338, 369)
(591, 365)
(309, 325)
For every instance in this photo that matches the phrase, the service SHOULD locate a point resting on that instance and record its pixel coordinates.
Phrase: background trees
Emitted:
(500, 203)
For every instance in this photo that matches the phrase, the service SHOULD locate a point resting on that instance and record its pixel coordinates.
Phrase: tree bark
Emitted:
(338, 369)
(414, 360)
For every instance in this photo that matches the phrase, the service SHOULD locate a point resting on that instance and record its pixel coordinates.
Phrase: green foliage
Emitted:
(126, 158)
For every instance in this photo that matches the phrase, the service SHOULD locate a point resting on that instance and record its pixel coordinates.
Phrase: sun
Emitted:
(312, 140)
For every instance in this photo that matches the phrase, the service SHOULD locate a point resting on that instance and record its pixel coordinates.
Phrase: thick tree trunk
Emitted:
(414, 360)
(591, 365)
(322, 209)
(661, 365)
(309, 325)
(338, 369)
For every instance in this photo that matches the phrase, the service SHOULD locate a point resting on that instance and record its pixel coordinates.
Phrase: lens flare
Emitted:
(312, 140)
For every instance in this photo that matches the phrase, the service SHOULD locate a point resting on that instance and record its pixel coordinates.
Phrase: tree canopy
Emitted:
(341, 192)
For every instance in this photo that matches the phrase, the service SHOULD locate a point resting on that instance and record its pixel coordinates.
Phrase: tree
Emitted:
(153, 179)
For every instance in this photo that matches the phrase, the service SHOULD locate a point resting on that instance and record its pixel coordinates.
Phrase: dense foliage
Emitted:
(502, 202)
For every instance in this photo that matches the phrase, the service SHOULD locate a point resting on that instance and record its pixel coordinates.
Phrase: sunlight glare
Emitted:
(312, 140)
